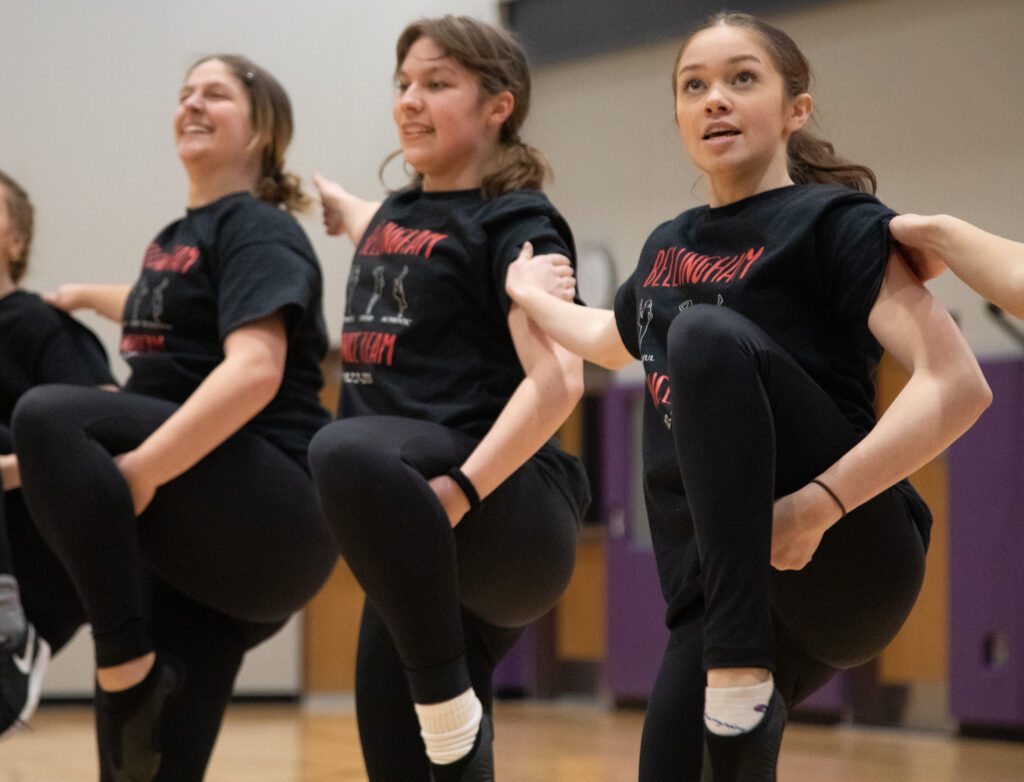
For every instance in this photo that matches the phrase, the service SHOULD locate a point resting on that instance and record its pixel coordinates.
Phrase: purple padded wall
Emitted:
(986, 483)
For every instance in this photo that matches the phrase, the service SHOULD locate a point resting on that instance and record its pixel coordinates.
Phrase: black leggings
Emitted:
(220, 559)
(47, 594)
(452, 601)
(750, 426)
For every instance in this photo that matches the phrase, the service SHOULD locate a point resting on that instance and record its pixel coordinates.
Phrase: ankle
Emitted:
(124, 675)
(737, 677)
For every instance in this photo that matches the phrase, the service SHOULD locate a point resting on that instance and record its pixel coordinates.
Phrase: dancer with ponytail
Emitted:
(455, 510)
(182, 508)
(789, 544)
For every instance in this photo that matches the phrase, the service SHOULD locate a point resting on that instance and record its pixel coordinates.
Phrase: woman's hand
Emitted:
(141, 485)
(550, 273)
(332, 198)
(799, 520)
(914, 234)
(455, 503)
(70, 297)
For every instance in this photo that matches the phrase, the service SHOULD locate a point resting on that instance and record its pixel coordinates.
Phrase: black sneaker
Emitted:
(751, 756)
(21, 680)
(477, 766)
(129, 723)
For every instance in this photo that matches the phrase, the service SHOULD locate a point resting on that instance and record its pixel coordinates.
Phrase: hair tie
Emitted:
(457, 475)
(832, 494)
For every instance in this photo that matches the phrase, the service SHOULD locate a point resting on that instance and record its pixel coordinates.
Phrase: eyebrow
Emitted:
(731, 61)
(431, 70)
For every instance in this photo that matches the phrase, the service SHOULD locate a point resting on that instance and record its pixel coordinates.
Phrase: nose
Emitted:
(193, 101)
(410, 99)
(715, 101)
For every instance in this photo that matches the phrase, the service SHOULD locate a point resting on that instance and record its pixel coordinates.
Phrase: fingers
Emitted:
(526, 252)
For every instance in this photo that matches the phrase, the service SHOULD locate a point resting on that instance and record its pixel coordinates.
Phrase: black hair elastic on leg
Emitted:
(832, 494)
(457, 475)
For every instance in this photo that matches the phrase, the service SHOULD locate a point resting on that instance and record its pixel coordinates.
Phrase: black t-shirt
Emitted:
(805, 263)
(218, 268)
(40, 344)
(426, 322)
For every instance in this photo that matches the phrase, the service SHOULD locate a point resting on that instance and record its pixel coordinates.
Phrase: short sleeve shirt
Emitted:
(805, 263)
(40, 344)
(220, 267)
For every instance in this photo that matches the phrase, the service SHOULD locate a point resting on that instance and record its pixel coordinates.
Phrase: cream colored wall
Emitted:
(929, 93)
(88, 89)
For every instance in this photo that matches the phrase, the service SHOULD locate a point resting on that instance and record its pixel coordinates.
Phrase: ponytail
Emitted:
(814, 160)
(516, 166)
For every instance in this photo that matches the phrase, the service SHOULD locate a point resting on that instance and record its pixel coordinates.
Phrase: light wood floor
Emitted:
(558, 742)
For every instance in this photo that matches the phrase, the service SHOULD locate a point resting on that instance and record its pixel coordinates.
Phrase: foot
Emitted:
(129, 723)
(21, 679)
(751, 756)
(477, 766)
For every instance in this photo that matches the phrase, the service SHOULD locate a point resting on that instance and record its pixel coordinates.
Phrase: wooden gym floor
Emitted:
(537, 742)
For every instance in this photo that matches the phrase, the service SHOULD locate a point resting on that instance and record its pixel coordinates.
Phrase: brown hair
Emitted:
(811, 159)
(272, 130)
(22, 218)
(496, 57)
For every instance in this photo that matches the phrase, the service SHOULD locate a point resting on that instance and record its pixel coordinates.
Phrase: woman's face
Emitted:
(213, 121)
(446, 128)
(731, 108)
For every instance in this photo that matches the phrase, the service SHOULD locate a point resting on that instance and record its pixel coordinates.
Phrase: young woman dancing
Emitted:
(182, 507)
(789, 545)
(455, 511)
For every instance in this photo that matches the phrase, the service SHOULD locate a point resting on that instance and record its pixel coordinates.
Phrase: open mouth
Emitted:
(720, 134)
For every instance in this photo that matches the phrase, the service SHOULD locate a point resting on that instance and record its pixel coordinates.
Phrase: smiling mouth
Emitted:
(720, 134)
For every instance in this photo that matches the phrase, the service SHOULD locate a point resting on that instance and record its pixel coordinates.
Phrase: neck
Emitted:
(728, 187)
(205, 187)
(7, 285)
(467, 174)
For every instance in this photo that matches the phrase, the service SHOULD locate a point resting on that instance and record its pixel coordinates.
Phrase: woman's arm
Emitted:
(10, 475)
(945, 395)
(344, 212)
(589, 333)
(233, 393)
(990, 264)
(544, 399)
(107, 300)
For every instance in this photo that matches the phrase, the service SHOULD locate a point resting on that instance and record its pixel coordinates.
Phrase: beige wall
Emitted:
(927, 92)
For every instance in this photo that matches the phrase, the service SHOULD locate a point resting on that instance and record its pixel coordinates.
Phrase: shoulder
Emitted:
(244, 218)
(26, 308)
(829, 199)
(517, 202)
(672, 230)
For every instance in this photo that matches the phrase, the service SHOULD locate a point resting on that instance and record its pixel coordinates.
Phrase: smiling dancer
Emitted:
(453, 508)
(183, 508)
(788, 543)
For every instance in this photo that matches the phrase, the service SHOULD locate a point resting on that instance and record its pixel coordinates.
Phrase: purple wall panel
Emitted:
(636, 609)
(986, 468)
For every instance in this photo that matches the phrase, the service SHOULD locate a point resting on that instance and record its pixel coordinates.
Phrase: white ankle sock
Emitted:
(730, 711)
(449, 728)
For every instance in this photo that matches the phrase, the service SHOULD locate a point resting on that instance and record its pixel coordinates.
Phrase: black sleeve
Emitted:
(71, 353)
(266, 265)
(626, 315)
(520, 217)
(852, 242)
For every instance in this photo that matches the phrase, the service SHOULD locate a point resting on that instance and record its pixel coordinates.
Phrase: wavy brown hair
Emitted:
(811, 159)
(22, 217)
(272, 130)
(496, 57)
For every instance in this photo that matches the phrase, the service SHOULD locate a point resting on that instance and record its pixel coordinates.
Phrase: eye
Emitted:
(436, 85)
(401, 86)
(693, 85)
(745, 78)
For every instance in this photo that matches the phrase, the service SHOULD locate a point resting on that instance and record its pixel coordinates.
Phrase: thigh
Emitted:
(241, 531)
